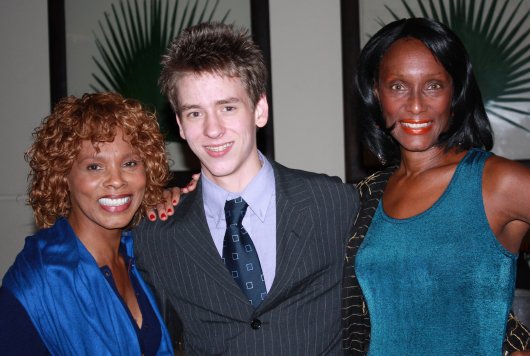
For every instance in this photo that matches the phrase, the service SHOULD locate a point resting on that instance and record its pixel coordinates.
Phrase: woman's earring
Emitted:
(381, 159)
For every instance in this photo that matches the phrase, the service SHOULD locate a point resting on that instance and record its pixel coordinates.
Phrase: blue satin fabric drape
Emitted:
(72, 306)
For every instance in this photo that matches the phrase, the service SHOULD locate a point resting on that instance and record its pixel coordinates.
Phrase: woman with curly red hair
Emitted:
(97, 164)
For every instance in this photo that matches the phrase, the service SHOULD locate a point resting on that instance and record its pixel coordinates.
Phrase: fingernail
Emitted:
(174, 201)
(152, 217)
(169, 210)
(163, 216)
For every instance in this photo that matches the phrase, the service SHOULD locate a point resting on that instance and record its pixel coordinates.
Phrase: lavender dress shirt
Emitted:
(259, 221)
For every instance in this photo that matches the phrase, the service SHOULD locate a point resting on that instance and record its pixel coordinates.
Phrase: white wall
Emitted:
(24, 101)
(307, 84)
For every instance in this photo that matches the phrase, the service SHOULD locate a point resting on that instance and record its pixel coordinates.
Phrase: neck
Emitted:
(234, 185)
(105, 255)
(239, 180)
(102, 244)
(413, 163)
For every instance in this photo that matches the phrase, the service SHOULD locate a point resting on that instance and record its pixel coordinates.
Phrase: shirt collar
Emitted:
(258, 194)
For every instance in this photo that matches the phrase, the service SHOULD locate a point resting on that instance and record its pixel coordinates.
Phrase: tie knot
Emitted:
(235, 210)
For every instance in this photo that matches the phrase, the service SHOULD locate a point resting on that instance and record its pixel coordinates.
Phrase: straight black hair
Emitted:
(469, 126)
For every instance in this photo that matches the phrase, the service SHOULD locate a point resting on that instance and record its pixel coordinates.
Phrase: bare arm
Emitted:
(506, 191)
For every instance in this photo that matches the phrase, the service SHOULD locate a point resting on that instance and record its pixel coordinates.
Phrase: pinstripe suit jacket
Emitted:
(302, 312)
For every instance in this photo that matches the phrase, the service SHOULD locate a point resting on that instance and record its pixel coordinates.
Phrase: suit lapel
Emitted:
(192, 235)
(294, 224)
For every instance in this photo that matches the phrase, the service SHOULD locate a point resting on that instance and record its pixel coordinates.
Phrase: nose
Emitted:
(213, 126)
(416, 102)
(115, 178)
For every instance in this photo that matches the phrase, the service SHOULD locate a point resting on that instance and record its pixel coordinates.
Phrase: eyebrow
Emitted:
(228, 101)
(98, 156)
(189, 107)
(397, 74)
(231, 100)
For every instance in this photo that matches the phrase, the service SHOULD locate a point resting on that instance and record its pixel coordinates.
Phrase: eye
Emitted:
(132, 163)
(93, 167)
(434, 86)
(229, 108)
(397, 86)
(193, 114)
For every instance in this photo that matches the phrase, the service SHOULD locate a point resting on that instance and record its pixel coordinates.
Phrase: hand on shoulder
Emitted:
(171, 199)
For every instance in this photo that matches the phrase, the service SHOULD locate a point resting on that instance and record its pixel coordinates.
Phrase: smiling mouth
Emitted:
(219, 148)
(114, 202)
(416, 125)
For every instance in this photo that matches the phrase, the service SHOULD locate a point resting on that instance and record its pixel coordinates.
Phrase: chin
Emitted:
(418, 148)
(117, 223)
(419, 144)
(219, 172)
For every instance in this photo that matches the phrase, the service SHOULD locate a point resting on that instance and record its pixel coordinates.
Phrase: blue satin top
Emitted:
(71, 305)
(438, 282)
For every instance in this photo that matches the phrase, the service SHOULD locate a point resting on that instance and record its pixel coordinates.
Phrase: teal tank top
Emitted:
(438, 282)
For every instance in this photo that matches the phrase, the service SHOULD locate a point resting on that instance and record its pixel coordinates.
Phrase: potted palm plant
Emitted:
(133, 38)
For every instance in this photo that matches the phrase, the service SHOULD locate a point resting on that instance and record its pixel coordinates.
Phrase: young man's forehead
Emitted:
(212, 87)
(208, 74)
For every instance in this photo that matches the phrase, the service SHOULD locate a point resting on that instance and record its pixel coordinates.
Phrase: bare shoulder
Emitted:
(502, 174)
(506, 189)
(506, 193)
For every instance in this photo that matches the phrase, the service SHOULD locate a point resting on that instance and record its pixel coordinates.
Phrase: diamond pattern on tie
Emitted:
(242, 261)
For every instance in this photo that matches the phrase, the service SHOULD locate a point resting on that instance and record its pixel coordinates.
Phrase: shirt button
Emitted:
(255, 324)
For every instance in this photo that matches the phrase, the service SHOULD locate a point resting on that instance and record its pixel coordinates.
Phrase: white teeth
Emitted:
(114, 202)
(219, 148)
(416, 125)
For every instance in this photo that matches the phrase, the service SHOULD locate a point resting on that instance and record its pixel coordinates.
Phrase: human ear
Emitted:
(261, 112)
(375, 90)
(181, 130)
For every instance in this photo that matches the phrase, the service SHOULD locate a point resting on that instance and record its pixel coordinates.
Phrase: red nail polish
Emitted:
(174, 202)
(163, 216)
(152, 217)
(169, 210)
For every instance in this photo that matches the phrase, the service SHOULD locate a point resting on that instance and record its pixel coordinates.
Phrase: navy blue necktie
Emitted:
(239, 253)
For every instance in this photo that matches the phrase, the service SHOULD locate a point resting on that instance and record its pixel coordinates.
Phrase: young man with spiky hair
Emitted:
(252, 260)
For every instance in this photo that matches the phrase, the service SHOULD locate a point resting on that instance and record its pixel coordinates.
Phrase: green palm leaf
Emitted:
(133, 38)
(494, 39)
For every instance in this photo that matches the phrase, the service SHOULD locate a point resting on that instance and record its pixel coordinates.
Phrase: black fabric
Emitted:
(355, 318)
(18, 336)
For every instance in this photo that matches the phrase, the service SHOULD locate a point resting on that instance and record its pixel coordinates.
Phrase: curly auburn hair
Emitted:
(94, 117)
